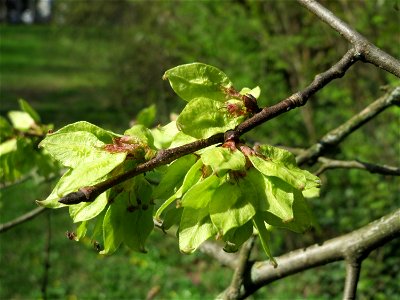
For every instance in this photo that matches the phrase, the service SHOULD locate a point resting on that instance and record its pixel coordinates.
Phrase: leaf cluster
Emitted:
(227, 191)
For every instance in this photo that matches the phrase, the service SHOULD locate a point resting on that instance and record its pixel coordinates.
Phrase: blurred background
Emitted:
(102, 61)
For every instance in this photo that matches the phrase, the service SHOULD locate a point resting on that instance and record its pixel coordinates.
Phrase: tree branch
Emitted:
(355, 245)
(353, 269)
(215, 251)
(241, 271)
(334, 137)
(328, 163)
(368, 51)
(89, 194)
(21, 219)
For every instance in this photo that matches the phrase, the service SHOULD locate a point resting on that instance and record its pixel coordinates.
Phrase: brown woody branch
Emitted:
(328, 163)
(21, 219)
(88, 194)
(334, 137)
(367, 51)
(354, 246)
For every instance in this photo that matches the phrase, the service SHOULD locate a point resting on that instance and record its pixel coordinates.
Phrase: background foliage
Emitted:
(103, 63)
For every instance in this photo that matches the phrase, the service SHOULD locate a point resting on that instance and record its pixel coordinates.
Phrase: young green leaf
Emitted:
(235, 237)
(202, 117)
(278, 169)
(194, 229)
(103, 135)
(195, 80)
(29, 109)
(21, 120)
(74, 148)
(263, 233)
(147, 116)
(141, 135)
(223, 159)
(88, 210)
(172, 179)
(6, 130)
(230, 208)
(200, 195)
(113, 223)
(163, 136)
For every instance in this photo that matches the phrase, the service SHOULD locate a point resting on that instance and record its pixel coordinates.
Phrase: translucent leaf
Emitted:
(200, 195)
(230, 208)
(254, 92)
(195, 80)
(141, 135)
(103, 135)
(88, 210)
(21, 120)
(302, 220)
(287, 163)
(194, 229)
(85, 174)
(147, 116)
(235, 237)
(113, 223)
(223, 159)
(263, 233)
(192, 177)
(6, 130)
(74, 148)
(201, 118)
(172, 179)
(29, 109)
(164, 135)
(274, 168)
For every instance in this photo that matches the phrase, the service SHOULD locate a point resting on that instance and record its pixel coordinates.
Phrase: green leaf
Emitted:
(103, 135)
(29, 109)
(200, 195)
(88, 210)
(21, 120)
(230, 208)
(173, 178)
(235, 237)
(172, 217)
(254, 92)
(194, 229)
(164, 135)
(274, 168)
(74, 148)
(113, 223)
(263, 233)
(141, 135)
(85, 174)
(147, 116)
(192, 177)
(223, 159)
(202, 117)
(6, 130)
(195, 80)
(286, 162)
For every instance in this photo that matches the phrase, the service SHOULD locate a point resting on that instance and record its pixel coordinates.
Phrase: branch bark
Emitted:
(334, 137)
(21, 219)
(353, 269)
(367, 51)
(328, 163)
(353, 246)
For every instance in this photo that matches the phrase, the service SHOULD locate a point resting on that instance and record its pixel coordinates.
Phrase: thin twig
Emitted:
(21, 219)
(334, 137)
(328, 163)
(353, 268)
(354, 245)
(90, 193)
(368, 51)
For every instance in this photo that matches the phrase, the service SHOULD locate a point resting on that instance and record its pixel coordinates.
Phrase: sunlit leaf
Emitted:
(147, 116)
(21, 120)
(195, 227)
(223, 159)
(200, 195)
(201, 118)
(195, 80)
(88, 210)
